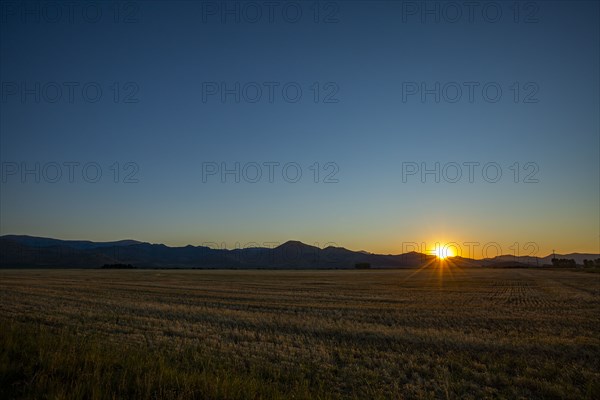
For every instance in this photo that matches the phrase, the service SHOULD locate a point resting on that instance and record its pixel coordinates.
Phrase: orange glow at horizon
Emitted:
(444, 251)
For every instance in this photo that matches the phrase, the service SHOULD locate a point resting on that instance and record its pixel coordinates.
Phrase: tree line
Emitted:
(569, 262)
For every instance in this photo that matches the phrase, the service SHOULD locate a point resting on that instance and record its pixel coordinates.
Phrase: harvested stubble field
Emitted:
(486, 333)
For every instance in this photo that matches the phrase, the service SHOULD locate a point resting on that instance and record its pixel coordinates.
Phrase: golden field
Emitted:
(451, 333)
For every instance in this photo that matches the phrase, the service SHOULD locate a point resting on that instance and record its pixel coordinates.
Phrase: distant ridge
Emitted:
(77, 244)
(21, 251)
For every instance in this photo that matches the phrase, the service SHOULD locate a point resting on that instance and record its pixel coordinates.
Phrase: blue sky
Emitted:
(168, 54)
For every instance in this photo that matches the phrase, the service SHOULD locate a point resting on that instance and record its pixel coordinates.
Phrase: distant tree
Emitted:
(591, 263)
(564, 262)
(362, 265)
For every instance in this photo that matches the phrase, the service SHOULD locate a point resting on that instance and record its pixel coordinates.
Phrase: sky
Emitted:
(372, 125)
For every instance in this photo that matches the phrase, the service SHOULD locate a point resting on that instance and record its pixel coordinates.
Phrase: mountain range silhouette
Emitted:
(20, 251)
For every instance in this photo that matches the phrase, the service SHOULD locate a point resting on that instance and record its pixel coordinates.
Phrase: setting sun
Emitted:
(444, 251)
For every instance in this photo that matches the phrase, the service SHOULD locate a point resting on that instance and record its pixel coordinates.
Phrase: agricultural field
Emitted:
(369, 334)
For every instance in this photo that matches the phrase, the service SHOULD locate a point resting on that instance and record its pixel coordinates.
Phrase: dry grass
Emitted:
(305, 334)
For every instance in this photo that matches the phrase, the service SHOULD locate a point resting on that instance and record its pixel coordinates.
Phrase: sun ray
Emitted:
(442, 260)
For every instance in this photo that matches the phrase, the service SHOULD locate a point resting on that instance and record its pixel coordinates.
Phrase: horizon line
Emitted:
(278, 244)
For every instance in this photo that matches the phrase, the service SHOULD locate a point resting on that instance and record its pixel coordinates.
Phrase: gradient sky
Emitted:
(169, 50)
